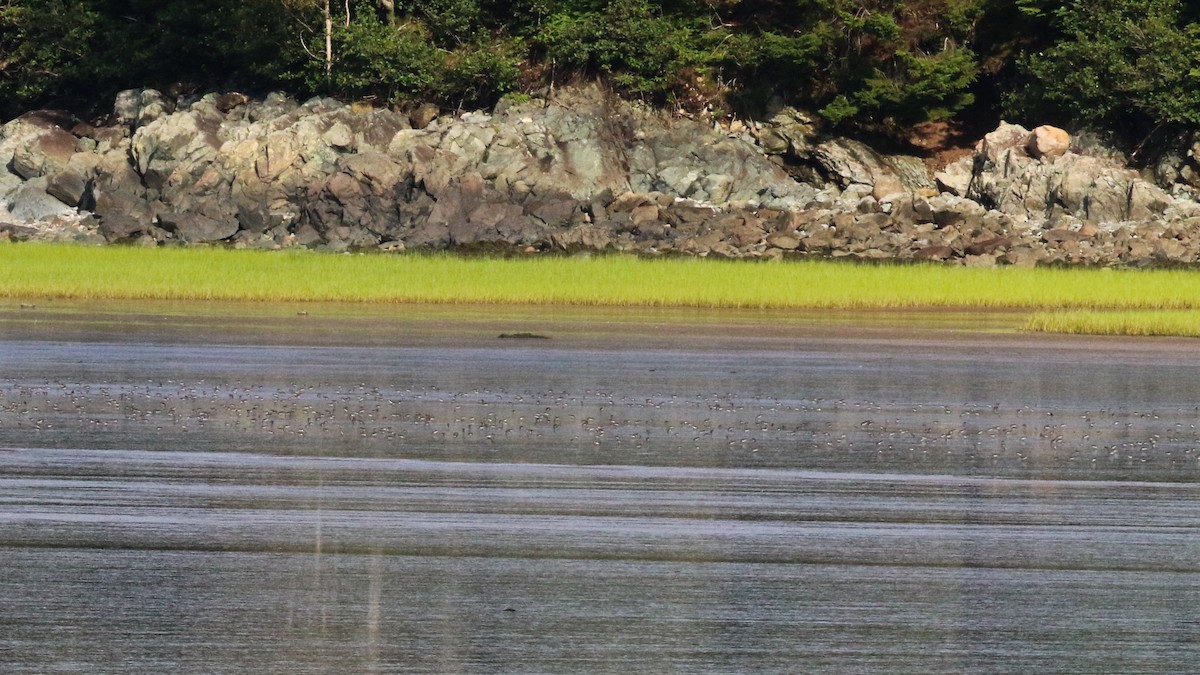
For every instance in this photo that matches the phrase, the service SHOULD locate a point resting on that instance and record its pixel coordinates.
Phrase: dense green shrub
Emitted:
(450, 22)
(1129, 64)
(640, 49)
(877, 65)
(44, 50)
(371, 58)
(78, 53)
(480, 74)
(914, 88)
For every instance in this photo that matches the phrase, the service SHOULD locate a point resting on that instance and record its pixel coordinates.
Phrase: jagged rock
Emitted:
(949, 210)
(126, 106)
(783, 240)
(934, 252)
(912, 211)
(255, 217)
(185, 143)
(364, 194)
(106, 139)
(27, 129)
(985, 260)
(423, 115)
(122, 227)
(687, 215)
(1177, 167)
(1003, 176)
(277, 153)
(741, 232)
(1172, 250)
(955, 179)
(789, 130)
(113, 171)
(72, 183)
(139, 107)
(595, 237)
(643, 213)
(889, 188)
(30, 202)
(197, 227)
(847, 162)
(628, 201)
(68, 186)
(1059, 235)
(8, 184)
(554, 211)
(277, 105)
(375, 130)
(585, 141)
(123, 214)
(339, 136)
(489, 217)
(582, 170)
(988, 246)
(231, 100)
(1001, 142)
(13, 232)
(1024, 256)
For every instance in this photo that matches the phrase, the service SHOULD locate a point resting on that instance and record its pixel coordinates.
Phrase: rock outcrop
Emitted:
(581, 171)
(1019, 173)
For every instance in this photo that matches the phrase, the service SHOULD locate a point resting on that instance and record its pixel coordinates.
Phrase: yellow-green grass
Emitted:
(77, 272)
(1178, 323)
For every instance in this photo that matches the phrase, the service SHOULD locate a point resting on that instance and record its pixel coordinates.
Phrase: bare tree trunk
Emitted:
(347, 13)
(328, 41)
(388, 8)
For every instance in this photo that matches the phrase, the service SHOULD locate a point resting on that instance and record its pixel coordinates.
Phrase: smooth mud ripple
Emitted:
(398, 490)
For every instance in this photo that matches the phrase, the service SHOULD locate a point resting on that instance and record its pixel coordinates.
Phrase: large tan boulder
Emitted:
(1048, 142)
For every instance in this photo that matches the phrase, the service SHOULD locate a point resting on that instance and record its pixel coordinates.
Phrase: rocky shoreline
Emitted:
(581, 170)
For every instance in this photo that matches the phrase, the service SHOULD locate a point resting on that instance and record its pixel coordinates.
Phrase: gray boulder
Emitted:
(138, 107)
(788, 132)
(423, 115)
(175, 148)
(71, 185)
(812, 158)
(689, 160)
(363, 201)
(68, 186)
(586, 141)
(846, 162)
(124, 214)
(30, 202)
(198, 227)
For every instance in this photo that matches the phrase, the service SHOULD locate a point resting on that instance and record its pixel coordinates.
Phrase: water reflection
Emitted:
(412, 495)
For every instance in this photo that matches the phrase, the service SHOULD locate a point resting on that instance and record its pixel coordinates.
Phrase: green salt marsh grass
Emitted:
(77, 272)
(1177, 323)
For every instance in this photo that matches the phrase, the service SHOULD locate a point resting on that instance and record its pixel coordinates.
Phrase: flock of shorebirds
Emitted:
(710, 427)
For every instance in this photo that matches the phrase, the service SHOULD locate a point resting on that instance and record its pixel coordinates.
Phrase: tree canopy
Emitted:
(871, 65)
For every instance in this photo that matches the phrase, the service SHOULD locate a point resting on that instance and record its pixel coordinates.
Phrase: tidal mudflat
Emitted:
(331, 488)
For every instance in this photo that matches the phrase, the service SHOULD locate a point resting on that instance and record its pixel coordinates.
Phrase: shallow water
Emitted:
(231, 488)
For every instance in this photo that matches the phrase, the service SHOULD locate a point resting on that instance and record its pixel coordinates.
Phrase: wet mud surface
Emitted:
(398, 489)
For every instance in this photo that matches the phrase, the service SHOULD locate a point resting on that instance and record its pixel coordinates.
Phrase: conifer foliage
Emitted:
(869, 65)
